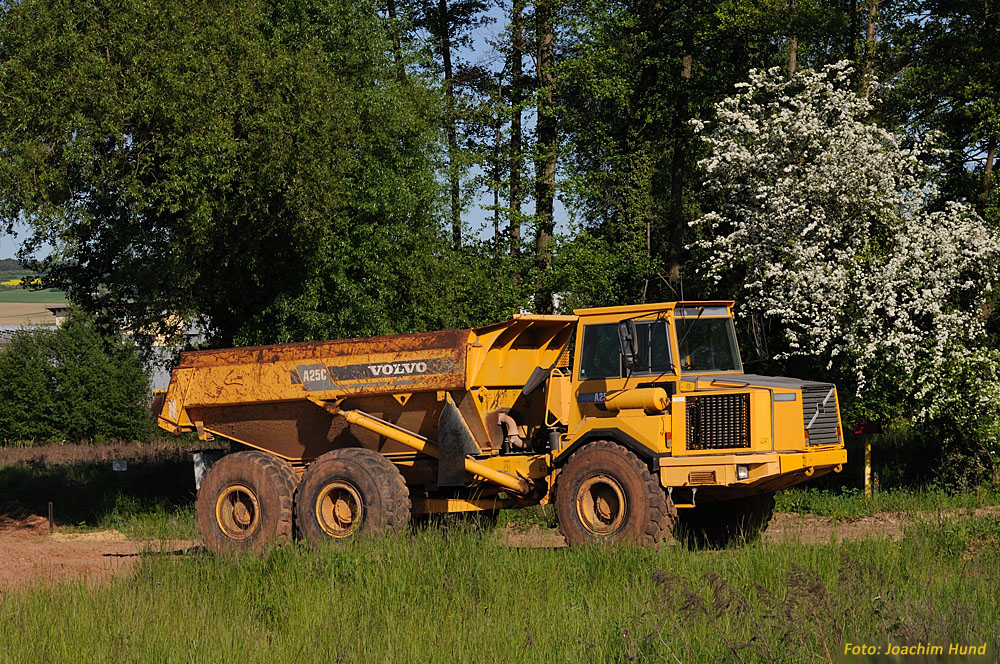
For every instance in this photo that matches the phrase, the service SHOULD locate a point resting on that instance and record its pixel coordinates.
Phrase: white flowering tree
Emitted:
(834, 228)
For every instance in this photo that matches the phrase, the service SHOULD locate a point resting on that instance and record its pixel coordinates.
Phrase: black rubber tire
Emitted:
(647, 516)
(384, 498)
(248, 478)
(725, 523)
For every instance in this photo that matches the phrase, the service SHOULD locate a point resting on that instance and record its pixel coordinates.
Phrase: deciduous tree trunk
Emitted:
(793, 43)
(450, 128)
(991, 153)
(516, 98)
(545, 165)
(678, 170)
(869, 59)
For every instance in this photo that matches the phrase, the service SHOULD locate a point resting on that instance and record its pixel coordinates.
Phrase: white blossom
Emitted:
(836, 225)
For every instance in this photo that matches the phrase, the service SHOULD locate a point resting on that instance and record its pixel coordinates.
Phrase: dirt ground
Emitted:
(165, 450)
(29, 555)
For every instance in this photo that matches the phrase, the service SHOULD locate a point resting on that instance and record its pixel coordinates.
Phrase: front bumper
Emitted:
(769, 471)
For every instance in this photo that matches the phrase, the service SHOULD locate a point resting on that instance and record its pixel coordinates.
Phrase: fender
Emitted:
(625, 439)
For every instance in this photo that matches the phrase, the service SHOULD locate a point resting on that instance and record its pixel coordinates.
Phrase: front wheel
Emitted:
(606, 494)
(350, 492)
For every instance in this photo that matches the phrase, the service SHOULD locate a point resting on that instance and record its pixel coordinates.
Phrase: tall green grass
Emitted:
(151, 499)
(462, 596)
(849, 502)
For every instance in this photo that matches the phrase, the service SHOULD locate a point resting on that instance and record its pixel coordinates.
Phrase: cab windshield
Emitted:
(707, 344)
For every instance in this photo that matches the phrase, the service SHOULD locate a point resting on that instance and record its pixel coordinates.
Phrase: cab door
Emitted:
(601, 368)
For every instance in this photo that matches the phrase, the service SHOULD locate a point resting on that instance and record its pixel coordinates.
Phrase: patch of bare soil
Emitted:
(784, 527)
(812, 529)
(25, 313)
(30, 556)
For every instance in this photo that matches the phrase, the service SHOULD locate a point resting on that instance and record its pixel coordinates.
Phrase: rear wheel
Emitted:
(720, 524)
(351, 492)
(245, 503)
(606, 494)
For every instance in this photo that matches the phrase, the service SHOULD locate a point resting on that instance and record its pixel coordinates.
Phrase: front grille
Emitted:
(819, 413)
(718, 421)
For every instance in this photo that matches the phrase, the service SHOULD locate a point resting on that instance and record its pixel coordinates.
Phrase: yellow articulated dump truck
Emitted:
(630, 420)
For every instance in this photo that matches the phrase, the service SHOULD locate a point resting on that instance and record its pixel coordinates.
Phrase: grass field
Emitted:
(851, 503)
(462, 595)
(40, 297)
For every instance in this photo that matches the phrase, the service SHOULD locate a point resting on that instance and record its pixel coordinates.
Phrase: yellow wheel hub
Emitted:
(601, 505)
(339, 509)
(237, 511)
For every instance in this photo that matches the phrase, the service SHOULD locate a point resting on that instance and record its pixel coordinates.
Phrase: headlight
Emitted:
(742, 472)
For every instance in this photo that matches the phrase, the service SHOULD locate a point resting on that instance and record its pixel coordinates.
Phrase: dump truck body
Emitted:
(489, 417)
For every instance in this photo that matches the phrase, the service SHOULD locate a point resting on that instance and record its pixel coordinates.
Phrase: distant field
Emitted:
(25, 313)
(21, 295)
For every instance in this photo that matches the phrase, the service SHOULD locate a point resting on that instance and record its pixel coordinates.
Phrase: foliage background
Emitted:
(299, 170)
(72, 383)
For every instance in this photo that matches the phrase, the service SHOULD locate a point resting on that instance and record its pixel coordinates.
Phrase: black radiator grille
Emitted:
(820, 418)
(718, 421)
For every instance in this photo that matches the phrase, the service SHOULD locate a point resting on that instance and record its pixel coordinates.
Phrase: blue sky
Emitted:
(8, 246)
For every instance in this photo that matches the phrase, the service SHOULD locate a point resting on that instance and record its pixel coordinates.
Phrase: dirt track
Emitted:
(29, 555)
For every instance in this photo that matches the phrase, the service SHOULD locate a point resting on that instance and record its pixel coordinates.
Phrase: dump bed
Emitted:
(265, 396)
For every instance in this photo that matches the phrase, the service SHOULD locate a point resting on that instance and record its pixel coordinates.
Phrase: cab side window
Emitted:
(602, 356)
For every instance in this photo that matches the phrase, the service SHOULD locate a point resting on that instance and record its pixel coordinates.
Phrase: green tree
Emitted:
(450, 24)
(631, 77)
(943, 76)
(27, 403)
(259, 165)
(72, 383)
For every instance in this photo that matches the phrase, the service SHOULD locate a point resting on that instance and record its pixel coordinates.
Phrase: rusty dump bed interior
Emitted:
(266, 396)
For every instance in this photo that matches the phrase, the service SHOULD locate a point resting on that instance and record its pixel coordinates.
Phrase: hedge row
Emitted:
(72, 383)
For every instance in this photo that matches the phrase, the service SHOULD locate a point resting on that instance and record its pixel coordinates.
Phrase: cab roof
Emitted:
(653, 306)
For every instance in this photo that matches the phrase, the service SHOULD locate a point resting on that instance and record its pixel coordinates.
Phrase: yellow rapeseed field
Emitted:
(18, 282)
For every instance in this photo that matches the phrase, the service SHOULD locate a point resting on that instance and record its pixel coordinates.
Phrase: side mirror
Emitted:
(758, 337)
(628, 339)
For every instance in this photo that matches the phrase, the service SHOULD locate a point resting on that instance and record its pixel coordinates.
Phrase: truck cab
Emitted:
(664, 384)
(719, 429)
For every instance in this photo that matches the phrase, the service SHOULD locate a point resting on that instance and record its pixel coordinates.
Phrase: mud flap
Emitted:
(455, 441)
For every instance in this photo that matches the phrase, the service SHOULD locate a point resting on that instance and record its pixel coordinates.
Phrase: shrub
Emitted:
(72, 383)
